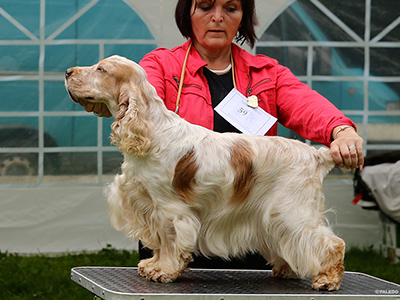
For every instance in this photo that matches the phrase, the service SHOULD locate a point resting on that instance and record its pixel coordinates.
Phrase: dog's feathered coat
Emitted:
(185, 189)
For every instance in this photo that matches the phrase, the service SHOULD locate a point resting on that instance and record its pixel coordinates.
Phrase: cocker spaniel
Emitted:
(185, 189)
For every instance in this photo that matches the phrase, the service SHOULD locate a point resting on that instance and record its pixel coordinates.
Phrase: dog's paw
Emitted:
(284, 272)
(158, 275)
(325, 282)
(152, 271)
(144, 266)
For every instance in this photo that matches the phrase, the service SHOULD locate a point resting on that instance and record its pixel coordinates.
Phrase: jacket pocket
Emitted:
(195, 86)
(258, 87)
(188, 90)
(265, 90)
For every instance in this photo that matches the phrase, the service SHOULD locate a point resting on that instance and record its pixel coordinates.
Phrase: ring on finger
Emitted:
(353, 147)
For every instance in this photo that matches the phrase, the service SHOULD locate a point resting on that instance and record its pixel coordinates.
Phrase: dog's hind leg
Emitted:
(306, 244)
(282, 269)
(332, 270)
(312, 252)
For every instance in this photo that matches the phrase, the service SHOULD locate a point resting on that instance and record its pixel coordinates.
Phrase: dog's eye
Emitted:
(100, 69)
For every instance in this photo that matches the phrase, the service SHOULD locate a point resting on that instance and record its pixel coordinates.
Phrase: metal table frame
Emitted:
(111, 283)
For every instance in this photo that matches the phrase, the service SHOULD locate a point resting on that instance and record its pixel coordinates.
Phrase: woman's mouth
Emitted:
(216, 31)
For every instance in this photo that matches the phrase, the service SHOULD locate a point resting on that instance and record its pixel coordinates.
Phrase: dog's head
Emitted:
(108, 82)
(121, 84)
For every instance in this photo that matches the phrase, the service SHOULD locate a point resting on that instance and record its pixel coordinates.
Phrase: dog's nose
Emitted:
(69, 72)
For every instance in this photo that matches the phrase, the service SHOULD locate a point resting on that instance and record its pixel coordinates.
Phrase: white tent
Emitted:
(55, 218)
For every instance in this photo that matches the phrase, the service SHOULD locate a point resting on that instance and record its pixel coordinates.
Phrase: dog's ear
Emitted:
(131, 129)
(123, 104)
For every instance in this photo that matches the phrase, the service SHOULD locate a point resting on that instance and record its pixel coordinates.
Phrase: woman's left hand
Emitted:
(347, 148)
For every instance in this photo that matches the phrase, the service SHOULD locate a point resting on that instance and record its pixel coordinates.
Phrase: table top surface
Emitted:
(104, 281)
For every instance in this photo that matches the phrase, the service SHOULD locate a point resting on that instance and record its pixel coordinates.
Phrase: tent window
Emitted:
(349, 51)
(44, 136)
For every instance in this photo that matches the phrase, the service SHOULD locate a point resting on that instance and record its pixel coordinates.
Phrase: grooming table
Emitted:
(199, 284)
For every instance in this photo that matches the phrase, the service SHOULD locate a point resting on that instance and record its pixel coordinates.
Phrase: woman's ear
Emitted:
(131, 129)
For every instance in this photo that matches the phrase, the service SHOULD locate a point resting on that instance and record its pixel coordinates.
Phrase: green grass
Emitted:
(370, 262)
(44, 277)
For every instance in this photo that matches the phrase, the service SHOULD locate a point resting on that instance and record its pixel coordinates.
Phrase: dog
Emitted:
(184, 189)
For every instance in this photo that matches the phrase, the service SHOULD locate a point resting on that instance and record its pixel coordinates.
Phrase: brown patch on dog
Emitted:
(184, 176)
(243, 167)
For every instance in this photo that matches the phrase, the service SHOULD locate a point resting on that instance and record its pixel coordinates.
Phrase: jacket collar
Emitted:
(243, 60)
(195, 62)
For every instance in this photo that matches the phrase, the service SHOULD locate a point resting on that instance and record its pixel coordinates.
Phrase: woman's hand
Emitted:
(98, 109)
(347, 148)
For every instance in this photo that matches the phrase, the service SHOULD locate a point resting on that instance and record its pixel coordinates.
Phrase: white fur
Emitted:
(281, 217)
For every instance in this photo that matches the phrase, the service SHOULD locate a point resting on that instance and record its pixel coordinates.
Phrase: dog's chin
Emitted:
(73, 98)
(78, 100)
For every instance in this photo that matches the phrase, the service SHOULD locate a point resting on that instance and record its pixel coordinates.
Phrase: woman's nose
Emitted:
(218, 15)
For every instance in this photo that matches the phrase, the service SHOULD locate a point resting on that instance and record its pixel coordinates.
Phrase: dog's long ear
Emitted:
(131, 129)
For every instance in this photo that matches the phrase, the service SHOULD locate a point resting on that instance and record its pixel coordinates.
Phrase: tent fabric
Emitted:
(57, 220)
(72, 219)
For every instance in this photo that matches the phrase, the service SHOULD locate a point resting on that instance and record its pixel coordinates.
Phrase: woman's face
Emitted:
(216, 22)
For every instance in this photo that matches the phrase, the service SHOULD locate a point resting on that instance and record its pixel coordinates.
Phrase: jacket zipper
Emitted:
(187, 85)
(250, 89)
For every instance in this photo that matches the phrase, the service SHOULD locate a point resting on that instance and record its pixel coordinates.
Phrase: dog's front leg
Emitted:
(164, 267)
(177, 240)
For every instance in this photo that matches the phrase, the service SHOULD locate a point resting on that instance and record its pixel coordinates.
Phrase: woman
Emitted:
(194, 77)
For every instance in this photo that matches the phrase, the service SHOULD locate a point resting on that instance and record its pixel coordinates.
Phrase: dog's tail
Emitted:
(326, 162)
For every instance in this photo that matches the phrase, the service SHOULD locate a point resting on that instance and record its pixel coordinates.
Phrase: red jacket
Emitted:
(280, 93)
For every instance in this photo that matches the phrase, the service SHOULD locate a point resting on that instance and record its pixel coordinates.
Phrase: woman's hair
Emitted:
(246, 31)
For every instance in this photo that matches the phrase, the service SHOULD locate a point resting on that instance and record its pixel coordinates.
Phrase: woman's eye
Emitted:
(205, 7)
(231, 8)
